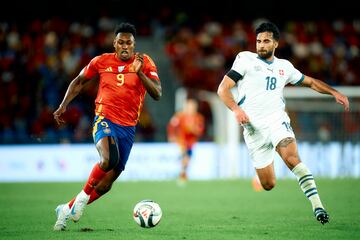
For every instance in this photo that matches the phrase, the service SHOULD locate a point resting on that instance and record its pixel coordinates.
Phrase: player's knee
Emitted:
(108, 163)
(110, 160)
(268, 185)
(105, 163)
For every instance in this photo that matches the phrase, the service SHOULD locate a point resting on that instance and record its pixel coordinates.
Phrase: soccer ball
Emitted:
(147, 213)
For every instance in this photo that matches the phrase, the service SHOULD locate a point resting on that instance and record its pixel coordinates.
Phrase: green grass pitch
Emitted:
(223, 209)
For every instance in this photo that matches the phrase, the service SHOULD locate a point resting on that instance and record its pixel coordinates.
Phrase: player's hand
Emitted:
(58, 113)
(343, 100)
(241, 116)
(138, 62)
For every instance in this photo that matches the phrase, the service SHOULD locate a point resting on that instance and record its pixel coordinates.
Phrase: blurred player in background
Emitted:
(260, 78)
(125, 78)
(185, 128)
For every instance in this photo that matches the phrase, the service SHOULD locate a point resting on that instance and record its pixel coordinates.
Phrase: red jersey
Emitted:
(186, 129)
(121, 94)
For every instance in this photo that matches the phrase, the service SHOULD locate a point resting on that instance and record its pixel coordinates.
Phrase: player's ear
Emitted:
(276, 44)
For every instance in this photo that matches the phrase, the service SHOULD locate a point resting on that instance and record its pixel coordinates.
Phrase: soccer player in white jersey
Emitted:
(260, 78)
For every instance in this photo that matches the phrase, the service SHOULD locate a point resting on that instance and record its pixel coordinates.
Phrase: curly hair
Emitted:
(268, 27)
(125, 28)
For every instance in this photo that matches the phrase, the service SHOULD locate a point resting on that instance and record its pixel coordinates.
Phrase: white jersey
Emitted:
(262, 84)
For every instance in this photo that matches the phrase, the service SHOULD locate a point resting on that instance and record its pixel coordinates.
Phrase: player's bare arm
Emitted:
(73, 90)
(322, 87)
(153, 87)
(227, 97)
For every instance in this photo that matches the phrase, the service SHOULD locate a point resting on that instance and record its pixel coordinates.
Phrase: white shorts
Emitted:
(262, 141)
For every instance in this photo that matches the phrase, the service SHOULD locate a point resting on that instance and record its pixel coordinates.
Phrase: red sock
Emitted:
(72, 202)
(95, 176)
(93, 196)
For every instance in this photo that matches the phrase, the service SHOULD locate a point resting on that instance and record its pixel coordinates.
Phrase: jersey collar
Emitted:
(266, 61)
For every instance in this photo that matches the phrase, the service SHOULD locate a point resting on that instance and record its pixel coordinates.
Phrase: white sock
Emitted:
(83, 196)
(307, 184)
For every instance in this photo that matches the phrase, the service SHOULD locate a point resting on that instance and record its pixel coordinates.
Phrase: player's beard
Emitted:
(263, 54)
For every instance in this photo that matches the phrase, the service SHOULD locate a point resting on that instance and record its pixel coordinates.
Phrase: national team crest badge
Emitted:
(121, 68)
(281, 72)
(257, 68)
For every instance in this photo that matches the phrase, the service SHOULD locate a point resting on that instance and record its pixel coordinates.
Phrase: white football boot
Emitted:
(62, 212)
(79, 205)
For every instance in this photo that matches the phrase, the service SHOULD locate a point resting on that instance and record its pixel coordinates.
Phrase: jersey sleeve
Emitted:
(295, 77)
(91, 69)
(240, 64)
(150, 69)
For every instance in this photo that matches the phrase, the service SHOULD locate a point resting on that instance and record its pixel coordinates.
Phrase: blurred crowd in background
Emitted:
(39, 58)
(323, 49)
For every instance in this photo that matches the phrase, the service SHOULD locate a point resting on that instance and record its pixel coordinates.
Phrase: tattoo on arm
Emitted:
(286, 141)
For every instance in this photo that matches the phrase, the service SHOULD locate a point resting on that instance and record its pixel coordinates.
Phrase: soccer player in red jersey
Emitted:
(124, 79)
(185, 128)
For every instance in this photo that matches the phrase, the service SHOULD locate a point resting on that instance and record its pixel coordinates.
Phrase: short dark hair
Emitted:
(125, 28)
(268, 27)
